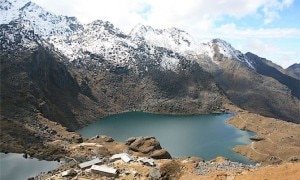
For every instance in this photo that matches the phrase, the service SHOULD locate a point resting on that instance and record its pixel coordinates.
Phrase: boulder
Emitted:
(148, 146)
(130, 140)
(294, 159)
(154, 173)
(274, 160)
(107, 138)
(70, 172)
(161, 154)
(78, 139)
(219, 159)
(144, 145)
(256, 138)
(147, 161)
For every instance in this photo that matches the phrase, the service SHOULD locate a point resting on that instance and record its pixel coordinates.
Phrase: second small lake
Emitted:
(206, 136)
(15, 167)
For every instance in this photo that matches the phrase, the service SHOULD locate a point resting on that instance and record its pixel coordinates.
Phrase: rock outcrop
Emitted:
(148, 146)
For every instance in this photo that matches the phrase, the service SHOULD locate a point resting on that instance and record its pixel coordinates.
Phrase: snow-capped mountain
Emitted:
(98, 39)
(77, 41)
(172, 38)
(220, 47)
(34, 17)
(180, 41)
(165, 70)
(10, 10)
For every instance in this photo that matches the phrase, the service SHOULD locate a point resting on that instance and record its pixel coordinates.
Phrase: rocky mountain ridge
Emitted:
(73, 39)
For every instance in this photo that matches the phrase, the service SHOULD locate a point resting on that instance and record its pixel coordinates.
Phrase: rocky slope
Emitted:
(256, 92)
(266, 68)
(247, 80)
(294, 71)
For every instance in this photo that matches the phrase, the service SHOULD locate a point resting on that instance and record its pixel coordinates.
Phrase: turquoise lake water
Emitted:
(16, 167)
(205, 136)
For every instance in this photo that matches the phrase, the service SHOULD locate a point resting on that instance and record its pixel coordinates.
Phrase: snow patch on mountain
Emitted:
(220, 46)
(34, 17)
(180, 41)
(169, 63)
(13, 39)
(10, 10)
(46, 24)
(172, 38)
(98, 37)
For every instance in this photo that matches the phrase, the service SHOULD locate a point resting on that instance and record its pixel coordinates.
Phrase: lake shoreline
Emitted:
(276, 141)
(43, 152)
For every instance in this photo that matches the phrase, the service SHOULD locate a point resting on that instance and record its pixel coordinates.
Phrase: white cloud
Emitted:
(258, 46)
(272, 8)
(233, 32)
(286, 60)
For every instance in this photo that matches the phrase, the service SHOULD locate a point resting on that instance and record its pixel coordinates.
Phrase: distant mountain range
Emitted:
(74, 73)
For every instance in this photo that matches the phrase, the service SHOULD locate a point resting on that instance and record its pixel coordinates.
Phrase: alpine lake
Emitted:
(15, 167)
(206, 136)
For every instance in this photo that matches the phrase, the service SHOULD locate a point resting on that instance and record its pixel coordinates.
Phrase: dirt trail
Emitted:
(280, 140)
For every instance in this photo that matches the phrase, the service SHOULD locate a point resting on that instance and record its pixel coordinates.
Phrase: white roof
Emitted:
(124, 156)
(105, 169)
(89, 163)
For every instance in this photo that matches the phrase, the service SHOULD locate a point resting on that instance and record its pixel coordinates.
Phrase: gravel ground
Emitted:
(204, 168)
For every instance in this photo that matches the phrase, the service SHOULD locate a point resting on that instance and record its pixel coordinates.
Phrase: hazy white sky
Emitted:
(269, 28)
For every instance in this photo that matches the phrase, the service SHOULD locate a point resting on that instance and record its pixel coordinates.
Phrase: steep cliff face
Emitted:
(35, 82)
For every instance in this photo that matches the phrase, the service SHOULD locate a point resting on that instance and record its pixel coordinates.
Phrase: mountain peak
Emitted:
(294, 66)
(171, 38)
(294, 70)
(223, 43)
(10, 10)
(28, 5)
(222, 49)
(34, 17)
(140, 30)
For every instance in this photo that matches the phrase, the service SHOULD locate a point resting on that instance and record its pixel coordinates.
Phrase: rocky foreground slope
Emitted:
(279, 149)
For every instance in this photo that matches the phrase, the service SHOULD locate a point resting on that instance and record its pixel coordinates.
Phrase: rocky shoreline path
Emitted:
(275, 142)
